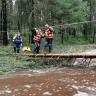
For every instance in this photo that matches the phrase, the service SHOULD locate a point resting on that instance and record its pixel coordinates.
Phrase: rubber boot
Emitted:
(35, 51)
(38, 50)
(45, 50)
(50, 49)
(14, 50)
(18, 50)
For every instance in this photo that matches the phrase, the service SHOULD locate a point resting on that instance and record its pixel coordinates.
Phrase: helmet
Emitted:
(26, 48)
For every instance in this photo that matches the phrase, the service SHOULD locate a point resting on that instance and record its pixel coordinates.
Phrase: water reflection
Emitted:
(50, 82)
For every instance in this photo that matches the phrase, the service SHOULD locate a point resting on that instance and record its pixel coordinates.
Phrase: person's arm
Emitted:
(21, 39)
(14, 38)
(42, 35)
(46, 33)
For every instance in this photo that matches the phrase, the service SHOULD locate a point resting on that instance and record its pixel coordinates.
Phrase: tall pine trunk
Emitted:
(5, 40)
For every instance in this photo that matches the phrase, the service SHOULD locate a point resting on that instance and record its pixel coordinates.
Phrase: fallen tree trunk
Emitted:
(72, 55)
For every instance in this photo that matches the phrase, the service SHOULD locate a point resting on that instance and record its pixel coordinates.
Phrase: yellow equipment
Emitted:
(26, 48)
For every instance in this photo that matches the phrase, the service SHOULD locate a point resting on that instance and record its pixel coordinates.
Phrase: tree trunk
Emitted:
(32, 21)
(1, 21)
(67, 55)
(5, 40)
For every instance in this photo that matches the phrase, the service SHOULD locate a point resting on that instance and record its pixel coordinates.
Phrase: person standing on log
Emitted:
(48, 37)
(37, 39)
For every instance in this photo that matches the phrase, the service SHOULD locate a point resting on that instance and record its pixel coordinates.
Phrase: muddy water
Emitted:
(50, 82)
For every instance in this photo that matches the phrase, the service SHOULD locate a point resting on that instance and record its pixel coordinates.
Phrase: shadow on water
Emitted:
(50, 82)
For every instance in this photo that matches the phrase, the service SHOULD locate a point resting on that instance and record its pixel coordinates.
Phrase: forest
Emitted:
(69, 69)
(69, 18)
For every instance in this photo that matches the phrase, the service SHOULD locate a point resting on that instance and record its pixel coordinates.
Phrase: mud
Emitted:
(50, 82)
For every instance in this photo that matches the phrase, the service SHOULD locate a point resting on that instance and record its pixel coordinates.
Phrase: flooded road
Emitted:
(50, 82)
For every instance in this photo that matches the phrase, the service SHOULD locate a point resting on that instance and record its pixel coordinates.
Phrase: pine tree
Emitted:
(5, 40)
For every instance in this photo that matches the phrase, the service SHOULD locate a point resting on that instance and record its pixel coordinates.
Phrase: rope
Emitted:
(60, 25)
(74, 23)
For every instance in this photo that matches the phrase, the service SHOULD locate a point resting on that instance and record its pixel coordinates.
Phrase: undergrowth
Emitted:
(10, 62)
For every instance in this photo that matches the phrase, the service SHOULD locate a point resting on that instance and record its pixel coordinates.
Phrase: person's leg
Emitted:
(46, 45)
(35, 46)
(38, 47)
(18, 48)
(14, 48)
(50, 44)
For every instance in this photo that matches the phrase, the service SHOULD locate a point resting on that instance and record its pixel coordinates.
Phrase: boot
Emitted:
(50, 49)
(35, 51)
(18, 50)
(14, 50)
(45, 50)
(38, 50)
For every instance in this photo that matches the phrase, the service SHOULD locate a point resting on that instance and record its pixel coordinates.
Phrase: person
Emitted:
(17, 40)
(37, 39)
(33, 30)
(48, 37)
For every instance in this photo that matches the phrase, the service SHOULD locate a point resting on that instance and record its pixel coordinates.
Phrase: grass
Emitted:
(10, 62)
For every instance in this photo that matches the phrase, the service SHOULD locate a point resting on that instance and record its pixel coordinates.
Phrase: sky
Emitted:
(13, 2)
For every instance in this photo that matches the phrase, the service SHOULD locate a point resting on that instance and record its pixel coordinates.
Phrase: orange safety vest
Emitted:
(49, 34)
(38, 36)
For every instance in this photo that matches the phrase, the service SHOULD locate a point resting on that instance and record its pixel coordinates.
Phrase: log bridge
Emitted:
(85, 57)
(72, 55)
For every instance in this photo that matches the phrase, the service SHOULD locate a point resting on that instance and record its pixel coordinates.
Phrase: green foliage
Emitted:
(10, 62)
(47, 11)
(72, 10)
(53, 12)
(1, 72)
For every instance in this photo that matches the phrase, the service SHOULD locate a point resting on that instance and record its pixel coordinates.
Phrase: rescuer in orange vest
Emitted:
(49, 37)
(37, 38)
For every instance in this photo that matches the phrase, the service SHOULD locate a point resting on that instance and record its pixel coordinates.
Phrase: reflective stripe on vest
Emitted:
(18, 37)
(49, 34)
(37, 37)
